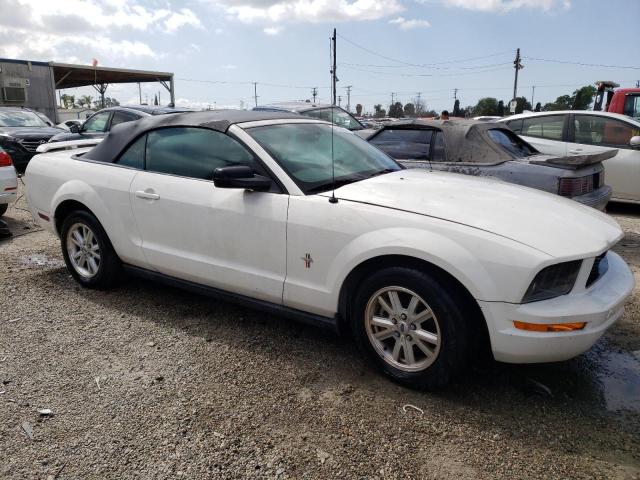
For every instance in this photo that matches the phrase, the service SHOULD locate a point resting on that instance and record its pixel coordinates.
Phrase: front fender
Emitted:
(490, 267)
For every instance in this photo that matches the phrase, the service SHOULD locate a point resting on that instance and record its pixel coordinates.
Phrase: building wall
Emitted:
(40, 91)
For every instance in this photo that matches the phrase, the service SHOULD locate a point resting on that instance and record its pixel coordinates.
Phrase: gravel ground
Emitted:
(150, 382)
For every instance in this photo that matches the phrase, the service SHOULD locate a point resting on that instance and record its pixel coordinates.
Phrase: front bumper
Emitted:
(597, 198)
(600, 306)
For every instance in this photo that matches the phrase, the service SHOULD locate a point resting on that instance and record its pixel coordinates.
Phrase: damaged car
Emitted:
(489, 149)
(295, 217)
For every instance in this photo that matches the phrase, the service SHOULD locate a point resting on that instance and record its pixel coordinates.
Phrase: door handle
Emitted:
(577, 151)
(149, 195)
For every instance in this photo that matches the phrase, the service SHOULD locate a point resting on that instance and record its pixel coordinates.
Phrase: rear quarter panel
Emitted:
(55, 177)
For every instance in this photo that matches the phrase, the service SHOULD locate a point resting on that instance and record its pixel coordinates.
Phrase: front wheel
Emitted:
(412, 325)
(88, 252)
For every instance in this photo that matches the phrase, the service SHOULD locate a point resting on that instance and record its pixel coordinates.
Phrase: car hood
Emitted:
(549, 223)
(30, 132)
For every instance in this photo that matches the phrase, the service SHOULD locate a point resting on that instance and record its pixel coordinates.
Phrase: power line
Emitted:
(581, 63)
(405, 74)
(416, 64)
(425, 66)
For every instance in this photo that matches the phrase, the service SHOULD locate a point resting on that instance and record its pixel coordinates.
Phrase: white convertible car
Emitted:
(296, 217)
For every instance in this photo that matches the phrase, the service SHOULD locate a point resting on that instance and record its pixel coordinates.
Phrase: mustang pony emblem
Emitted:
(307, 260)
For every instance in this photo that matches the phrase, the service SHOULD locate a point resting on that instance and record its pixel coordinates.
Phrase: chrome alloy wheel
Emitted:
(403, 329)
(83, 250)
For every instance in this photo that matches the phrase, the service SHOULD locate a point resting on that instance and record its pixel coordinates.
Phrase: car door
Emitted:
(545, 132)
(599, 133)
(231, 239)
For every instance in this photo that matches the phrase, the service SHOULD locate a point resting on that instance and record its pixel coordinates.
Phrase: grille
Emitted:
(600, 267)
(573, 187)
(31, 145)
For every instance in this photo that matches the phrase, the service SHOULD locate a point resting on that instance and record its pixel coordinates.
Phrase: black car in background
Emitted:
(22, 131)
(101, 122)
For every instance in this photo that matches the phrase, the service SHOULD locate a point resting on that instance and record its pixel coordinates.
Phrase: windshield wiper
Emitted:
(381, 172)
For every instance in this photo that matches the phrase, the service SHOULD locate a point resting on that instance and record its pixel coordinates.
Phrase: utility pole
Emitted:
(533, 92)
(518, 66)
(339, 100)
(314, 92)
(349, 87)
(159, 100)
(334, 76)
(255, 93)
(455, 94)
(140, 92)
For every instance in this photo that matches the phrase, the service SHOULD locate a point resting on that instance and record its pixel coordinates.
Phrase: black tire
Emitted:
(448, 305)
(109, 267)
(3, 208)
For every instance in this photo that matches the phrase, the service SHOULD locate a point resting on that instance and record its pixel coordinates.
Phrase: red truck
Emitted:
(625, 101)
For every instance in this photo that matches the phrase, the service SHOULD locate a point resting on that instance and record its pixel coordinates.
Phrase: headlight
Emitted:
(553, 281)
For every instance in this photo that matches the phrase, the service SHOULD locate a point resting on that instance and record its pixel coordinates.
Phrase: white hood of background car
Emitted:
(557, 226)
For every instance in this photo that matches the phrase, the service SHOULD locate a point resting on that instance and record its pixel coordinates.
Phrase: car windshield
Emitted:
(510, 142)
(337, 116)
(16, 118)
(304, 150)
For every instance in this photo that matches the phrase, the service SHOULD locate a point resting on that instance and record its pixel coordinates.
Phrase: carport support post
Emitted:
(172, 91)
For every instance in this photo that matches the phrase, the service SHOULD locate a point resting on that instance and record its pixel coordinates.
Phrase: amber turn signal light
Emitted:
(549, 327)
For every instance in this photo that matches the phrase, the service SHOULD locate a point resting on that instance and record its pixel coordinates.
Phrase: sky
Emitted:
(218, 48)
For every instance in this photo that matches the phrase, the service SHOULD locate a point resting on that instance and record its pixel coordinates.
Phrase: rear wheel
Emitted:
(412, 325)
(88, 252)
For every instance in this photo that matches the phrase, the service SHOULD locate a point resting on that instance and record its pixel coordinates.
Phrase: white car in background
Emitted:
(576, 132)
(298, 217)
(8, 182)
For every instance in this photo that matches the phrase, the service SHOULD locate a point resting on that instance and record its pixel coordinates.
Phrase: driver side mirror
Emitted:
(635, 142)
(240, 176)
(74, 128)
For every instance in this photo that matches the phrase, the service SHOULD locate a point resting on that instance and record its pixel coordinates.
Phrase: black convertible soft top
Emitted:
(122, 135)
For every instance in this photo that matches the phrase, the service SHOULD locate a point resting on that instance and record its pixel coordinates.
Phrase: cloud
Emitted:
(71, 29)
(228, 67)
(405, 24)
(507, 5)
(180, 19)
(310, 11)
(272, 30)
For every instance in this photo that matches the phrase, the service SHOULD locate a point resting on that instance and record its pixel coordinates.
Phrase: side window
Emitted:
(632, 106)
(404, 144)
(549, 127)
(438, 153)
(97, 123)
(597, 130)
(193, 152)
(123, 117)
(515, 125)
(134, 155)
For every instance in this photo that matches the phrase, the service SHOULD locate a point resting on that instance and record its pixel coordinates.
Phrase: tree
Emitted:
(409, 110)
(522, 104)
(379, 111)
(359, 110)
(583, 97)
(500, 110)
(419, 107)
(155, 99)
(538, 107)
(85, 100)
(563, 102)
(69, 101)
(396, 110)
(456, 108)
(486, 106)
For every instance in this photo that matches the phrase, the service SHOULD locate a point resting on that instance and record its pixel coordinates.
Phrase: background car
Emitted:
(574, 132)
(489, 149)
(69, 123)
(8, 182)
(101, 122)
(330, 113)
(21, 132)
